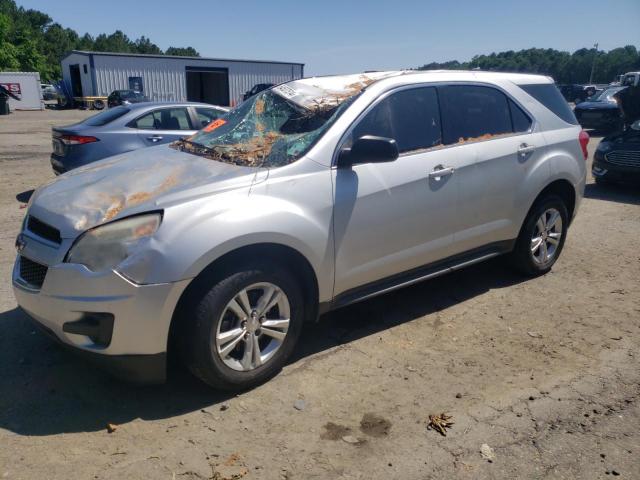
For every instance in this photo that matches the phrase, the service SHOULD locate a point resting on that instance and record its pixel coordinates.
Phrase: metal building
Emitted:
(171, 78)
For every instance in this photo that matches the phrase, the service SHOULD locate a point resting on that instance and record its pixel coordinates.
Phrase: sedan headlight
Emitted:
(604, 146)
(106, 246)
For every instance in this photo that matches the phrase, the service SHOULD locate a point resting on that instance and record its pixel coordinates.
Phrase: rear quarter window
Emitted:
(105, 117)
(549, 95)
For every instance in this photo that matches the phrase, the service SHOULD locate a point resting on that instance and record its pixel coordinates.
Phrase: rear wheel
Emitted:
(245, 327)
(542, 236)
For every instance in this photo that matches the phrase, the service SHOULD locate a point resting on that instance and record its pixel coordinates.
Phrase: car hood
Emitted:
(134, 182)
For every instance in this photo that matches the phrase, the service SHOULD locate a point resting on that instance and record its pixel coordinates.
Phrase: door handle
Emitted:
(439, 171)
(155, 138)
(524, 149)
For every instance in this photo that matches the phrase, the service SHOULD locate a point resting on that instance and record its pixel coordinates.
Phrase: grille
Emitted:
(43, 230)
(32, 272)
(625, 158)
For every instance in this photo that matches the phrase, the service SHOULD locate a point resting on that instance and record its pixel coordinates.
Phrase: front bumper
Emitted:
(615, 173)
(141, 314)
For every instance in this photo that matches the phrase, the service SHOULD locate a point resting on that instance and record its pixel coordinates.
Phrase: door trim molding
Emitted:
(410, 277)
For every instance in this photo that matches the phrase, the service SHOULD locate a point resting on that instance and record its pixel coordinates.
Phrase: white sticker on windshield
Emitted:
(285, 91)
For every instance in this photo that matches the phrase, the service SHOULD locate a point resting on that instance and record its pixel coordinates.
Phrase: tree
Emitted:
(182, 52)
(57, 41)
(8, 52)
(144, 45)
(116, 42)
(564, 67)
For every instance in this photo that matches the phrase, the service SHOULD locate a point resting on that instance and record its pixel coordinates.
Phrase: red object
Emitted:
(77, 139)
(584, 141)
(213, 125)
(12, 88)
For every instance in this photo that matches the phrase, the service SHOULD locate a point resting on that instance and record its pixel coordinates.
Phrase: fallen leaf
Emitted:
(440, 423)
(111, 427)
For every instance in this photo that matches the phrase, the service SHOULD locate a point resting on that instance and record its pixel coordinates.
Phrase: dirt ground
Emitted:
(546, 372)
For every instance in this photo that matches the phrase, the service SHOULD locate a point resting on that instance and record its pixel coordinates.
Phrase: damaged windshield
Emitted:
(268, 130)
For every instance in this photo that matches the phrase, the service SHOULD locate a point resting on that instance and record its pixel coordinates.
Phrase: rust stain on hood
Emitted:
(129, 183)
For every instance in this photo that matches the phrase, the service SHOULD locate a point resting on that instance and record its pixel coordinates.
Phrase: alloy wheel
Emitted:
(253, 326)
(546, 236)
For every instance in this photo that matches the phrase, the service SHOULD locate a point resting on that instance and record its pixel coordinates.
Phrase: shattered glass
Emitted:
(277, 126)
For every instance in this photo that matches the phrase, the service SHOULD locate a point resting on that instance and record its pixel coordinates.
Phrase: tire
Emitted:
(98, 104)
(226, 361)
(602, 181)
(539, 261)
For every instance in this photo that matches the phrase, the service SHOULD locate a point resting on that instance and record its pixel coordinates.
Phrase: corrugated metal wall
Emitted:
(85, 78)
(164, 79)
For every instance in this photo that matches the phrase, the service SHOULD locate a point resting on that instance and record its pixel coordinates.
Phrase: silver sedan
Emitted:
(126, 128)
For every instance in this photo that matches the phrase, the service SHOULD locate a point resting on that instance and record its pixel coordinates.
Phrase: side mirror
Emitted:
(369, 149)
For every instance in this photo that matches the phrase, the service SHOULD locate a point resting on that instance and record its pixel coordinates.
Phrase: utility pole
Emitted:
(593, 62)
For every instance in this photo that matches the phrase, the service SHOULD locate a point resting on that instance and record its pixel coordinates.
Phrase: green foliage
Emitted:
(30, 41)
(564, 67)
(183, 52)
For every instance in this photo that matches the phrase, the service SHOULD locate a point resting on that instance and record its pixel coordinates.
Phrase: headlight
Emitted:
(105, 247)
(604, 146)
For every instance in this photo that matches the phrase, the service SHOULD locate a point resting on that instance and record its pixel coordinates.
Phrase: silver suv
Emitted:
(309, 196)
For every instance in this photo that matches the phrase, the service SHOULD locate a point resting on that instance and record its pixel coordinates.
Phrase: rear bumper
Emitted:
(601, 124)
(61, 165)
(605, 119)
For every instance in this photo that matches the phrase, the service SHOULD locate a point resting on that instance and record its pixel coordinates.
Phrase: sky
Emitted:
(331, 36)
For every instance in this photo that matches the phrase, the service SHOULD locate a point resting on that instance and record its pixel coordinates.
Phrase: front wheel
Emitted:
(542, 236)
(245, 327)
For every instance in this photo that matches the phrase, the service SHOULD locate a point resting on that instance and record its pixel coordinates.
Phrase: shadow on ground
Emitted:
(613, 193)
(45, 390)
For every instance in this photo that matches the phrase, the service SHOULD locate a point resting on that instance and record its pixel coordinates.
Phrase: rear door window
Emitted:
(165, 119)
(105, 117)
(411, 117)
(471, 112)
(549, 95)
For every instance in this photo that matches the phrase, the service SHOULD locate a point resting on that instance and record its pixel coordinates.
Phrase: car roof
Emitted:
(418, 76)
(145, 105)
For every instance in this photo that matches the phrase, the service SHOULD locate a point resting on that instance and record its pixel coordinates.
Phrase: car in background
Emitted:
(125, 97)
(259, 87)
(617, 158)
(601, 111)
(49, 92)
(572, 92)
(126, 128)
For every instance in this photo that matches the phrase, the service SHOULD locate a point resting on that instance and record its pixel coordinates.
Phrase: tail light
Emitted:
(584, 141)
(77, 139)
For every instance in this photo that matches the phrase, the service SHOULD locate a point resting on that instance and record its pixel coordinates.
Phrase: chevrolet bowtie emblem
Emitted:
(20, 243)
